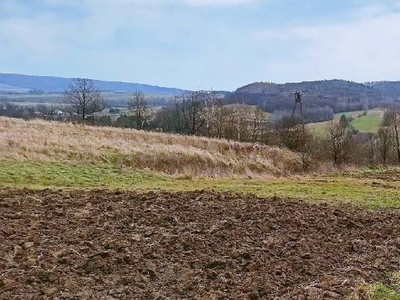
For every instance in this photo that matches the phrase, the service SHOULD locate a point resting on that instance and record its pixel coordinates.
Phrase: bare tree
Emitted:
(218, 118)
(191, 112)
(293, 135)
(290, 132)
(84, 98)
(339, 141)
(384, 143)
(392, 119)
(139, 106)
(258, 125)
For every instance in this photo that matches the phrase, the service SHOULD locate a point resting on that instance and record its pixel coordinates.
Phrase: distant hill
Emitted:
(340, 95)
(17, 83)
(387, 88)
(333, 88)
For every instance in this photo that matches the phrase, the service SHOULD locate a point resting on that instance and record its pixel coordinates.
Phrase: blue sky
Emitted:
(202, 44)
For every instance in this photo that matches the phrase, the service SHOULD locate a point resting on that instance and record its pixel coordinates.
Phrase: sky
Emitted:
(202, 44)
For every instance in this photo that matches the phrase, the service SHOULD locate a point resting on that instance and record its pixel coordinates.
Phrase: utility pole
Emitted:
(297, 102)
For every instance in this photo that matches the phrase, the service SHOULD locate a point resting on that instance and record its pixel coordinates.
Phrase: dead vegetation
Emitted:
(39, 140)
(197, 245)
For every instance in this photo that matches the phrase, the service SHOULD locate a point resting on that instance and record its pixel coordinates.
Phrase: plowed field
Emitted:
(193, 245)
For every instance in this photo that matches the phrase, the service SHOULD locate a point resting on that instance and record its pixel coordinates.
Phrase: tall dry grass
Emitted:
(40, 140)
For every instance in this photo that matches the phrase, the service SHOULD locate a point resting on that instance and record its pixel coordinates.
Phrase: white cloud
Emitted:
(167, 42)
(365, 48)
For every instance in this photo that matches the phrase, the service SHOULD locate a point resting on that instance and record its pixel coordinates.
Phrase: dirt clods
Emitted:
(192, 245)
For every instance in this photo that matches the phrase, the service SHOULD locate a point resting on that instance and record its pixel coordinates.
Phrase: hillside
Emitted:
(340, 95)
(389, 88)
(10, 83)
(333, 88)
(44, 141)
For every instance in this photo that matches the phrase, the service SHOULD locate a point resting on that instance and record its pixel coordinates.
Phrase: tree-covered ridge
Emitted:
(324, 87)
(339, 95)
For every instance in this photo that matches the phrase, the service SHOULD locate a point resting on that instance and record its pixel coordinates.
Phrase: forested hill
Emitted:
(325, 87)
(24, 83)
(340, 95)
(386, 88)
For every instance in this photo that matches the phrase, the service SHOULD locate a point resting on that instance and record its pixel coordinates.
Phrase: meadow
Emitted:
(368, 123)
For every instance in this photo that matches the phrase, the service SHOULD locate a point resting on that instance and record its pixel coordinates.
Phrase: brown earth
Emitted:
(197, 245)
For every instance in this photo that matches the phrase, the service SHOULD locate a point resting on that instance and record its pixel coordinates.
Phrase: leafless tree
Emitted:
(218, 118)
(293, 135)
(258, 125)
(139, 106)
(290, 132)
(84, 98)
(191, 112)
(392, 119)
(384, 143)
(339, 141)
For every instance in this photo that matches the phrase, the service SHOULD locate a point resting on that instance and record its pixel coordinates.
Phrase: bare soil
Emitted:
(192, 245)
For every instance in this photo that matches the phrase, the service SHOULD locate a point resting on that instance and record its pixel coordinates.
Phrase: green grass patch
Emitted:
(381, 292)
(341, 188)
(332, 190)
(370, 123)
(34, 174)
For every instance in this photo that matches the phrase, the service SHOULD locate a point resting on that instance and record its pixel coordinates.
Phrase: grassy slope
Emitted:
(39, 140)
(369, 123)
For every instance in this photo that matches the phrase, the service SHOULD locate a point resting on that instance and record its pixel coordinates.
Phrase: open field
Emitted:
(126, 214)
(189, 245)
(39, 154)
(57, 98)
(369, 123)
(44, 141)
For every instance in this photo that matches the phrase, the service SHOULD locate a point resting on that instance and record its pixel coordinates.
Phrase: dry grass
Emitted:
(39, 140)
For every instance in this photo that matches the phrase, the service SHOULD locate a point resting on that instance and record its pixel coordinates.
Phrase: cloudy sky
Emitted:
(193, 44)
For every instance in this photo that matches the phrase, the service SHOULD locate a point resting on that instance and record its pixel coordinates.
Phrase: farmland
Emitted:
(58, 99)
(189, 245)
(368, 123)
(131, 214)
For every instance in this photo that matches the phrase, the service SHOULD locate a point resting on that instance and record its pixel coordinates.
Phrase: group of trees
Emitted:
(310, 115)
(12, 110)
(203, 113)
(85, 100)
(343, 145)
(388, 137)
(284, 101)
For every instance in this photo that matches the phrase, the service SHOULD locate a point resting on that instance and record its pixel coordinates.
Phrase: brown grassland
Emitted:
(45, 141)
